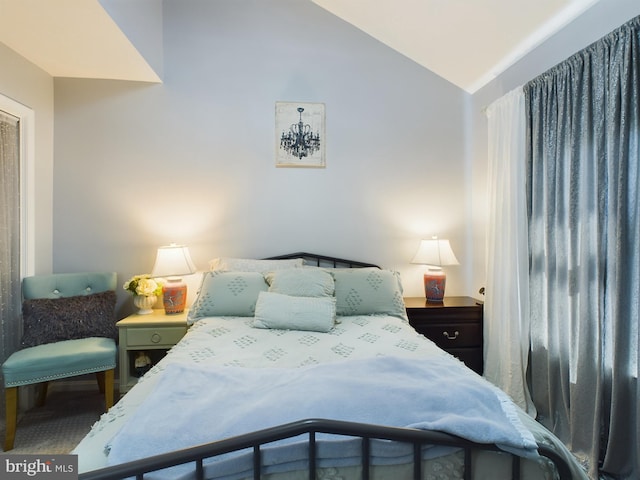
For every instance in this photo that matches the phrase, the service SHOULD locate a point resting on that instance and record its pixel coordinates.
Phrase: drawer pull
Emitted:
(155, 338)
(451, 337)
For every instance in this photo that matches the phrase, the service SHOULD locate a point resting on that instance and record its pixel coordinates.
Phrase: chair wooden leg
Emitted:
(42, 395)
(108, 388)
(106, 382)
(11, 406)
(100, 379)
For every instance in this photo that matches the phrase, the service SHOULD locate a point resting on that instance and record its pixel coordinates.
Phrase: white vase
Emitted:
(144, 303)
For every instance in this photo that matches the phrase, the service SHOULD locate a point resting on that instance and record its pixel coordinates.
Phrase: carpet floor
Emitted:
(59, 425)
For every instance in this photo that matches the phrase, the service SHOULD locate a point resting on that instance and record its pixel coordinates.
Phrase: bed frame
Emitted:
(310, 427)
(316, 260)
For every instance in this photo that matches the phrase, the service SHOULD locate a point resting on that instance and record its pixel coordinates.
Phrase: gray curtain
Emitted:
(583, 189)
(10, 295)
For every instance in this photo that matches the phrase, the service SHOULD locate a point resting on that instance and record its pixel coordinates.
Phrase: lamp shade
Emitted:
(173, 261)
(435, 252)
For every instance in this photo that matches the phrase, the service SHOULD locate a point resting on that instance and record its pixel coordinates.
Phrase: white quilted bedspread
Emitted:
(233, 341)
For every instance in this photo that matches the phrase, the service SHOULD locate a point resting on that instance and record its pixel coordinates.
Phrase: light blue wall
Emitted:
(406, 152)
(192, 160)
(141, 22)
(23, 82)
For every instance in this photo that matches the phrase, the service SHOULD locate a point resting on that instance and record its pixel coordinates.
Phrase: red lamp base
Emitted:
(434, 283)
(174, 296)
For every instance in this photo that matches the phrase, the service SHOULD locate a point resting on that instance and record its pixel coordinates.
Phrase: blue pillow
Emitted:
(301, 282)
(287, 312)
(365, 291)
(227, 294)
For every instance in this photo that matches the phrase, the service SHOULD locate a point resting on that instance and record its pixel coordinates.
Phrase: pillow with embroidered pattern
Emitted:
(227, 294)
(301, 282)
(365, 291)
(252, 265)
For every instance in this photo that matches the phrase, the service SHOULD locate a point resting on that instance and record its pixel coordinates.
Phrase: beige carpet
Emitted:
(59, 425)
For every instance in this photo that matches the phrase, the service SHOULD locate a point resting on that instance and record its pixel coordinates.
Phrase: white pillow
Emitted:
(301, 282)
(285, 312)
(252, 265)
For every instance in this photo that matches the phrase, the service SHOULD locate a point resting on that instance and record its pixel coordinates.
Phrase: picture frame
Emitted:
(300, 135)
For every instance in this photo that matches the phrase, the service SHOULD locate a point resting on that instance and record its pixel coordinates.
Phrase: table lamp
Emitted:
(173, 261)
(435, 253)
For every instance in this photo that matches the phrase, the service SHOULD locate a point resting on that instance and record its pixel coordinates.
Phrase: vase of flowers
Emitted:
(145, 292)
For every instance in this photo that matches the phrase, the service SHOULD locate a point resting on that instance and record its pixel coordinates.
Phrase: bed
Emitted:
(305, 366)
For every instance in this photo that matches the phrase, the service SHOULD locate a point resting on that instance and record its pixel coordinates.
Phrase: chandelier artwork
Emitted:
(300, 141)
(301, 134)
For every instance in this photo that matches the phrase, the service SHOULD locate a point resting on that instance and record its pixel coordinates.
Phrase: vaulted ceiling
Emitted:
(467, 42)
(71, 38)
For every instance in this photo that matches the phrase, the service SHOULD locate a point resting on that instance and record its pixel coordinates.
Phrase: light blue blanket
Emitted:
(192, 405)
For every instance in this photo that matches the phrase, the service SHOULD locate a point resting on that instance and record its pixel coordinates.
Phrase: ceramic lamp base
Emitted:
(174, 296)
(434, 283)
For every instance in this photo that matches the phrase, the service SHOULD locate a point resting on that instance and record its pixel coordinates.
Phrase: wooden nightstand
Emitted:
(454, 325)
(153, 334)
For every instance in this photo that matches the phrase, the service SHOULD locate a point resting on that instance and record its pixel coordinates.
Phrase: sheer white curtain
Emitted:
(506, 307)
(10, 296)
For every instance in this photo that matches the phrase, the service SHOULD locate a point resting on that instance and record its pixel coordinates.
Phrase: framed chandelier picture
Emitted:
(300, 135)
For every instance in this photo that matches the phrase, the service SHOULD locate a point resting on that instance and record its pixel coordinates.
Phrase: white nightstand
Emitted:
(153, 334)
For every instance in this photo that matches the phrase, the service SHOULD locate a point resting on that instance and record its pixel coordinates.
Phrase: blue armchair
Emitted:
(69, 330)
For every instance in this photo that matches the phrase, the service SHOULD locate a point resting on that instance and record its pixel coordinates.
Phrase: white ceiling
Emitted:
(467, 42)
(71, 38)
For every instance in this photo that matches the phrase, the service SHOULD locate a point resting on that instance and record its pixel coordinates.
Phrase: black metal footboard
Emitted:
(197, 455)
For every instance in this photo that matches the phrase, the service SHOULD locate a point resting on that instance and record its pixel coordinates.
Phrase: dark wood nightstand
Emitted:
(454, 325)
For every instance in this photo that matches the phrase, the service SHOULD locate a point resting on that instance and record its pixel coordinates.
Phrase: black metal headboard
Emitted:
(323, 260)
